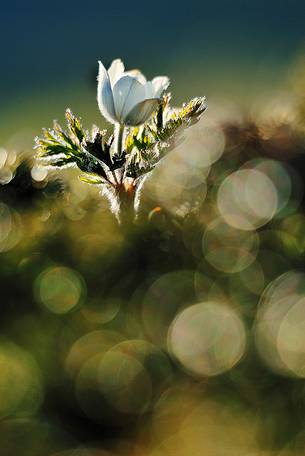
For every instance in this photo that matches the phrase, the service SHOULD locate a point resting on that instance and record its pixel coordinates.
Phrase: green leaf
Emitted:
(92, 179)
(49, 149)
(75, 126)
(60, 162)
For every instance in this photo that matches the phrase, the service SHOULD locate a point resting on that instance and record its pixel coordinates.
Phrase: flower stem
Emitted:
(125, 193)
(116, 182)
(119, 139)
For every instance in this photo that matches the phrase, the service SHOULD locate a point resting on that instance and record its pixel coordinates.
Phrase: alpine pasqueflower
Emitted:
(125, 97)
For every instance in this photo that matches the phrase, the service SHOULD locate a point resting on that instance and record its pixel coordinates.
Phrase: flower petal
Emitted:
(160, 84)
(141, 112)
(127, 92)
(115, 70)
(104, 95)
(149, 90)
(137, 74)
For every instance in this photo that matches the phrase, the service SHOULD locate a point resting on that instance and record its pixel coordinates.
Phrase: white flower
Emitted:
(125, 97)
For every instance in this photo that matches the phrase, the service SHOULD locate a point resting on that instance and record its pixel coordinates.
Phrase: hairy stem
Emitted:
(116, 182)
(119, 143)
(125, 192)
(119, 139)
(126, 197)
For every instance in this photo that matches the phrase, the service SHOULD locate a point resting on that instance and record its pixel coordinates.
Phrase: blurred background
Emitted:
(230, 51)
(183, 334)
